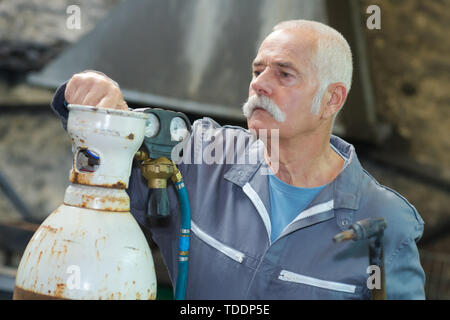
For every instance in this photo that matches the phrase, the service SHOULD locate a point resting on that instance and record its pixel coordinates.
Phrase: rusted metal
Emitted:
(97, 198)
(93, 231)
(22, 294)
(63, 240)
(371, 229)
(85, 178)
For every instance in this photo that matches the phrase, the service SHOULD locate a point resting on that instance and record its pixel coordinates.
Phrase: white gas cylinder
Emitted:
(91, 247)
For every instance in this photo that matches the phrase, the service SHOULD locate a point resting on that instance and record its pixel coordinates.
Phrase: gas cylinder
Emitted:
(91, 247)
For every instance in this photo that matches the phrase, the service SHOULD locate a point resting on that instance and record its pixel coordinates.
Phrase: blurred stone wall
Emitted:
(35, 152)
(410, 68)
(410, 65)
(35, 156)
(32, 32)
(45, 21)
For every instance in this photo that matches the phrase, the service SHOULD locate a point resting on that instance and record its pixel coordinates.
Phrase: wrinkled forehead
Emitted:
(298, 46)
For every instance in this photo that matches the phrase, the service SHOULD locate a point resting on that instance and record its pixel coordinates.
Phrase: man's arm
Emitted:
(90, 88)
(59, 105)
(405, 278)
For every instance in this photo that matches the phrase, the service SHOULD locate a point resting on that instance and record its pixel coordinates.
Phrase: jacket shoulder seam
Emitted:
(402, 245)
(392, 191)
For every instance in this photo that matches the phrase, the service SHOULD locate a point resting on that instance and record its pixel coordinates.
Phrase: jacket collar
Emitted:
(344, 190)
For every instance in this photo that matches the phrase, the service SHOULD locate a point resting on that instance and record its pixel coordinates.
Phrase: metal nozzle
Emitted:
(344, 236)
(141, 156)
(363, 229)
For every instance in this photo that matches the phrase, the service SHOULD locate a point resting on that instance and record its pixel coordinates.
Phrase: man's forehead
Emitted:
(288, 46)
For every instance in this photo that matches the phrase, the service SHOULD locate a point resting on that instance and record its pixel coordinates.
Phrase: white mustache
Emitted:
(265, 103)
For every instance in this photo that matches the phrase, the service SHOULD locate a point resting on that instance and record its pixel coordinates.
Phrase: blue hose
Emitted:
(183, 245)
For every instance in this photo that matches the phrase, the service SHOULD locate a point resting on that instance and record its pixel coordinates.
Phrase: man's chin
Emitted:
(256, 124)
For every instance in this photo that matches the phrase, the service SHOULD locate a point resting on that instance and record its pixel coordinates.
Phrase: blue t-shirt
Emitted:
(286, 202)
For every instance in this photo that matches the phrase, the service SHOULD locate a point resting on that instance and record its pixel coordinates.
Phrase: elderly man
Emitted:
(269, 236)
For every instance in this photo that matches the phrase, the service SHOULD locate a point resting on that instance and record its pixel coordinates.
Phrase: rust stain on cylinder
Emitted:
(80, 178)
(60, 287)
(53, 247)
(22, 294)
(39, 258)
(85, 179)
(98, 252)
(151, 296)
(28, 257)
(130, 136)
(54, 230)
(119, 185)
(118, 204)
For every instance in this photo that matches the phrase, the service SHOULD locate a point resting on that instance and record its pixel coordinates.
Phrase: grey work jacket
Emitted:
(231, 255)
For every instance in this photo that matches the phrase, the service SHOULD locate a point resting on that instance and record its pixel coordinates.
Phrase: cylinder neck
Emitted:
(97, 198)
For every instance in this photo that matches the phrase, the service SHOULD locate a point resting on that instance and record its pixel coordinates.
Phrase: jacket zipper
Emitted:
(226, 250)
(259, 205)
(315, 210)
(298, 278)
(319, 208)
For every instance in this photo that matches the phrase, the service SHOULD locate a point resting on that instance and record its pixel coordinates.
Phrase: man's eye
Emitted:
(285, 74)
(256, 73)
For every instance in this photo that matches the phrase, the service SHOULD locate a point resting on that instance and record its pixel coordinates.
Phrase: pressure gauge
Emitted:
(165, 129)
(152, 126)
(178, 129)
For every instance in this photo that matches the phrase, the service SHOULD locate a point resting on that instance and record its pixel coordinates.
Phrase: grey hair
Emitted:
(332, 61)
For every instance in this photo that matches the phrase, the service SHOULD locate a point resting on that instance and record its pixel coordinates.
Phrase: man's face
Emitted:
(282, 72)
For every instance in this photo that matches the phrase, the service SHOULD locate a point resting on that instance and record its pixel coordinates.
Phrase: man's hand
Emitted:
(94, 89)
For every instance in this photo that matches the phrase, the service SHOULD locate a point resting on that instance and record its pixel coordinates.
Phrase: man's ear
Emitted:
(335, 98)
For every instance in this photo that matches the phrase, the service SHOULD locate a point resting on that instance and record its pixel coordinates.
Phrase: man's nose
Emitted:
(261, 84)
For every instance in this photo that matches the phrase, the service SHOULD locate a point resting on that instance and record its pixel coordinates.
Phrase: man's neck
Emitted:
(306, 161)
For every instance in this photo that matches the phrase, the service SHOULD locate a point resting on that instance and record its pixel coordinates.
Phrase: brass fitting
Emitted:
(176, 177)
(141, 156)
(158, 171)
